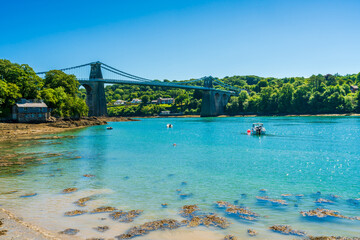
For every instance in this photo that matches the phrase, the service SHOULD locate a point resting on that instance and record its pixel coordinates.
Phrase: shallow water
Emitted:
(136, 166)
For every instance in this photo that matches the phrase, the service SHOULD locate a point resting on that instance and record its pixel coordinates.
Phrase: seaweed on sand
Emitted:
(82, 201)
(75, 213)
(285, 229)
(124, 216)
(70, 231)
(332, 238)
(69, 190)
(103, 209)
(252, 232)
(241, 212)
(230, 237)
(324, 213)
(149, 226)
(191, 212)
(101, 228)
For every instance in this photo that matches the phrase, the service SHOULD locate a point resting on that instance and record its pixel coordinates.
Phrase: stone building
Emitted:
(30, 111)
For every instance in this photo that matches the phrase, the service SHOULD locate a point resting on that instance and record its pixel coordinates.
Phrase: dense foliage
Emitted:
(314, 95)
(58, 90)
(266, 96)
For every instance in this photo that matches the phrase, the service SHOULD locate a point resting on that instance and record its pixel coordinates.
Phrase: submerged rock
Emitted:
(3, 232)
(88, 175)
(355, 201)
(103, 210)
(28, 195)
(124, 216)
(285, 229)
(323, 200)
(75, 213)
(273, 201)
(70, 231)
(185, 195)
(69, 190)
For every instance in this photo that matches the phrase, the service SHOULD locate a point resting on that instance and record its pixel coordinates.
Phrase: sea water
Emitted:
(142, 164)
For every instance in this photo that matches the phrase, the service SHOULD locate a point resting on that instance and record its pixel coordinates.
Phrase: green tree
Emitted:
(285, 98)
(23, 76)
(56, 78)
(145, 99)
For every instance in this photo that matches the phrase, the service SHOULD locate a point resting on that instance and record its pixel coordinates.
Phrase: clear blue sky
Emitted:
(182, 39)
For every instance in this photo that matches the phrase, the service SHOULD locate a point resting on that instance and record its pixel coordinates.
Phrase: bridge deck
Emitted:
(153, 83)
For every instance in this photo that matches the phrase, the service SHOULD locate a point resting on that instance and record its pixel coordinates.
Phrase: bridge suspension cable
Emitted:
(69, 68)
(124, 74)
(227, 85)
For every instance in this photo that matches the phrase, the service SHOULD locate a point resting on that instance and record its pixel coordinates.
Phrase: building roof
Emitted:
(31, 105)
(354, 87)
(166, 98)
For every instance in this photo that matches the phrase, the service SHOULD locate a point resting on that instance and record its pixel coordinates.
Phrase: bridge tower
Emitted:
(213, 102)
(95, 92)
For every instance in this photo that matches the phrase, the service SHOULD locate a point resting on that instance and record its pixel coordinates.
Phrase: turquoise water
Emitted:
(137, 166)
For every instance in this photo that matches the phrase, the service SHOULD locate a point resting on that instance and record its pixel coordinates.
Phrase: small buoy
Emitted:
(248, 131)
(174, 144)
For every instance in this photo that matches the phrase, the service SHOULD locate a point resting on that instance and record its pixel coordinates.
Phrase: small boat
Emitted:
(258, 129)
(169, 125)
(109, 128)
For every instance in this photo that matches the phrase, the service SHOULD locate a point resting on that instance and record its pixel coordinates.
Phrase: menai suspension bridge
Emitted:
(94, 75)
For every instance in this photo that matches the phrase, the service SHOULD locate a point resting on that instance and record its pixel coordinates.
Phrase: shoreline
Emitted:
(13, 227)
(27, 131)
(256, 115)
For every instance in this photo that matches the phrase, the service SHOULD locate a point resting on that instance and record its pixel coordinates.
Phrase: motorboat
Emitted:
(258, 129)
(109, 128)
(169, 125)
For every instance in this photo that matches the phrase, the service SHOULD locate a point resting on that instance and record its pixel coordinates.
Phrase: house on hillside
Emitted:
(136, 101)
(165, 101)
(30, 111)
(119, 102)
(354, 88)
(153, 102)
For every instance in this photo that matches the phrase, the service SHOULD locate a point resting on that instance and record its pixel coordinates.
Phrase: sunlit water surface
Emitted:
(137, 166)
